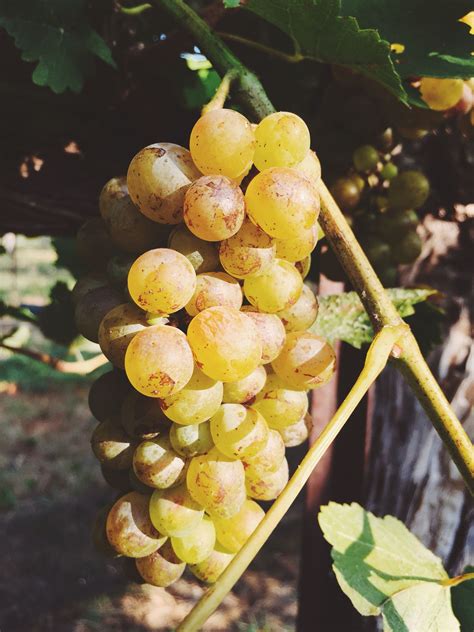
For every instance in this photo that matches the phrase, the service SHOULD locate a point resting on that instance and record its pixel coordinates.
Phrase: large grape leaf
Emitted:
(436, 43)
(320, 32)
(463, 601)
(54, 33)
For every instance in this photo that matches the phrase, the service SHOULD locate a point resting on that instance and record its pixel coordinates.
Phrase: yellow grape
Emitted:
(161, 281)
(279, 404)
(112, 446)
(282, 140)
(225, 343)
(302, 314)
(197, 545)
(441, 94)
(202, 254)
(191, 440)
(159, 361)
(268, 458)
(238, 431)
(233, 533)
(217, 482)
(278, 287)
(142, 417)
(271, 330)
(299, 247)
(270, 485)
(117, 329)
(282, 202)
(222, 142)
(196, 402)
(157, 179)
(244, 390)
(297, 433)
(174, 512)
(162, 568)
(306, 361)
(304, 266)
(129, 529)
(310, 167)
(212, 289)
(210, 569)
(156, 463)
(250, 251)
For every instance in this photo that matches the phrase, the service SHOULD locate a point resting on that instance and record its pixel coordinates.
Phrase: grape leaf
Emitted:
(55, 34)
(343, 317)
(462, 597)
(231, 4)
(319, 32)
(436, 43)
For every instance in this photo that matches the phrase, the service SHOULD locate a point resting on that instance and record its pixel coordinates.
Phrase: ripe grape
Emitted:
(222, 142)
(91, 309)
(197, 545)
(409, 189)
(238, 431)
(365, 158)
(408, 248)
(86, 284)
(279, 404)
(302, 314)
(271, 332)
(282, 202)
(129, 529)
(299, 247)
(250, 251)
(191, 440)
(214, 208)
(112, 446)
(297, 433)
(159, 361)
(346, 193)
(441, 94)
(174, 512)
(142, 417)
(282, 140)
(275, 289)
(210, 569)
(234, 532)
(304, 266)
(269, 486)
(217, 482)
(156, 463)
(93, 243)
(269, 457)
(118, 268)
(161, 568)
(157, 179)
(107, 393)
(213, 289)
(310, 167)
(161, 281)
(244, 390)
(196, 402)
(117, 329)
(306, 361)
(201, 254)
(225, 343)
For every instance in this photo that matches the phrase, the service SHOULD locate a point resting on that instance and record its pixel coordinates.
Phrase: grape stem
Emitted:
(290, 58)
(80, 367)
(137, 10)
(218, 100)
(376, 359)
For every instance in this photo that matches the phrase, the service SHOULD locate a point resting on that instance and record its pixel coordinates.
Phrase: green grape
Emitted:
(346, 193)
(129, 529)
(306, 361)
(174, 512)
(159, 361)
(269, 458)
(156, 463)
(112, 446)
(117, 479)
(409, 189)
(225, 343)
(282, 202)
(99, 534)
(299, 247)
(91, 309)
(213, 289)
(161, 281)
(234, 532)
(86, 284)
(157, 179)
(271, 332)
(297, 433)
(302, 314)
(270, 485)
(214, 208)
(238, 431)
(309, 167)
(93, 243)
(250, 251)
(408, 249)
(191, 440)
(282, 140)
(278, 287)
(389, 171)
(244, 390)
(107, 394)
(142, 417)
(378, 252)
(217, 482)
(197, 545)
(279, 404)
(365, 158)
(161, 568)
(441, 94)
(393, 225)
(210, 569)
(117, 329)
(196, 402)
(201, 254)
(222, 142)
(304, 266)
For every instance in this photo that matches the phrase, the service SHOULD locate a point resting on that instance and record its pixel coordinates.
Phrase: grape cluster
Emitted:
(196, 296)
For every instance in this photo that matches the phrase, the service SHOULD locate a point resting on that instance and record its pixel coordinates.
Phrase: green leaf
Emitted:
(55, 34)
(231, 4)
(436, 43)
(462, 597)
(343, 317)
(319, 32)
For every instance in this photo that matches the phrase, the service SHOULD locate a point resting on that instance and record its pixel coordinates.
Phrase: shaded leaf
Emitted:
(462, 597)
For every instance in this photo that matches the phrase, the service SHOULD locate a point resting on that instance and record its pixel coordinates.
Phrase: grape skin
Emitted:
(86, 284)
(156, 463)
(214, 289)
(210, 569)
(297, 433)
(278, 287)
(441, 94)
(310, 167)
(191, 440)
(282, 140)
(91, 309)
(142, 417)
(238, 431)
(233, 533)
(302, 314)
(201, 254)
(271, 331)
(409, 190)
(93, 244)
(117, 329)
(112, 446)
(250, 251)
(269, 486)
(197, 545)
(269, 458)
(298, 248)
(162, 568)
(279, 404)
(246, 389)
(174, 512)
